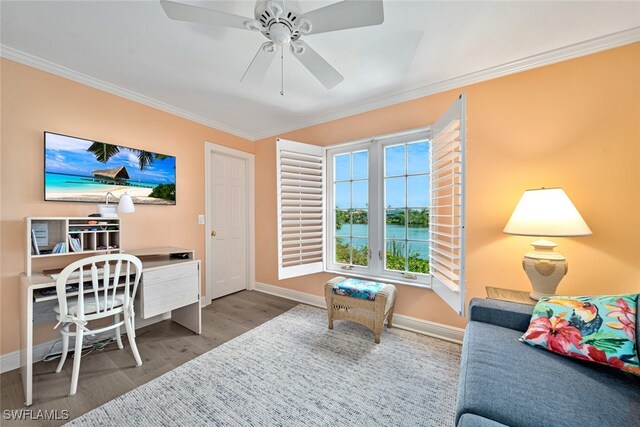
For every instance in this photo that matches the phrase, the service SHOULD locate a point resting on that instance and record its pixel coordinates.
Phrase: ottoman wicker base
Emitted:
(365, 312)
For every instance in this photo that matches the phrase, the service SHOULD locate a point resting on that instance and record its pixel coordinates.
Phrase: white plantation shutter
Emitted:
(447, 214)
(300, 169)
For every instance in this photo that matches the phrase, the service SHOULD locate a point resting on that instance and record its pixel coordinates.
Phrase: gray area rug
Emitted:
(293, 371)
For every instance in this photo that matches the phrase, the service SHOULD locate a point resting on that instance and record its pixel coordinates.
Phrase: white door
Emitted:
(228, 225)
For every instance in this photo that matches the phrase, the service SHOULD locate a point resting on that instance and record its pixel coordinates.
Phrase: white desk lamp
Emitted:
(545, 212)
(126, 204)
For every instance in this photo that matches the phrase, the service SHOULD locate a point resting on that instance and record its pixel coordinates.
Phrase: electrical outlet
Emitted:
(200, 219)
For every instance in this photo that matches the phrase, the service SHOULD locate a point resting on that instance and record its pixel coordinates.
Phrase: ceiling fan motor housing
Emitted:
(280, 22)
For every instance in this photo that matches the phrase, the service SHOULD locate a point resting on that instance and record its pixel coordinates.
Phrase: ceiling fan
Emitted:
(283, 25)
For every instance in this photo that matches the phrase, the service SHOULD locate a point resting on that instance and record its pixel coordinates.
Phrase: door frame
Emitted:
(249, 159)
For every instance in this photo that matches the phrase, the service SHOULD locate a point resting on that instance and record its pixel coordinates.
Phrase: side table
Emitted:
(512, 295)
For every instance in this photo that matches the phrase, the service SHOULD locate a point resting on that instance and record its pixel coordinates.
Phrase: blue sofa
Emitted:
(505, 382)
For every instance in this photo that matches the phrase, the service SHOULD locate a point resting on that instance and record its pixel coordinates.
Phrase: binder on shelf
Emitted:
(41, 232)
(34, 243)
(60, 248)
(74, 244)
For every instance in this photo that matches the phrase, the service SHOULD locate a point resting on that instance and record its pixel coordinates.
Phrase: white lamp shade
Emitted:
(546, 212)
(126, 204)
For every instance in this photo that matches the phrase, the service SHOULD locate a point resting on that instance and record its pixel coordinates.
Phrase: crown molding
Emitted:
(575, 50)
(572, 51)
(67, 73)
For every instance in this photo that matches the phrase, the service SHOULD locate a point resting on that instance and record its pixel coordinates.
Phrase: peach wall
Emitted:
(574, 124)
(34, 101)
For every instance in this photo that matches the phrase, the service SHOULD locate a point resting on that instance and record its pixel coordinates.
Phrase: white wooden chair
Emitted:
(111, 294)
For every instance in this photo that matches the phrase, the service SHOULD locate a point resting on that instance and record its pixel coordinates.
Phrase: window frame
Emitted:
(330, 237)
(376, 231)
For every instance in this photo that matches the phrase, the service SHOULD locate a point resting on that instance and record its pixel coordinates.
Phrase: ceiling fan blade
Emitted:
(346, 14)
(201, 15)
(321, 69)
(260, 64)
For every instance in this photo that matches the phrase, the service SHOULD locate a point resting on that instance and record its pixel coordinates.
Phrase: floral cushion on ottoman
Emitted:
(356, 288)
(600, 329)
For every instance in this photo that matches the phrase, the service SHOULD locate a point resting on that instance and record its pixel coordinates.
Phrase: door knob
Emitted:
(213, 233)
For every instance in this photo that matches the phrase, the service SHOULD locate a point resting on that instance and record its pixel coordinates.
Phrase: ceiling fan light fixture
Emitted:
(275, 9)
(280, 34)
(304, 26)
(269, 47)
(297, 48)
(254, 25)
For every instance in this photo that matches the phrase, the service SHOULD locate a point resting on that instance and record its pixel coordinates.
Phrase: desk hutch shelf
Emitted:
(48, 237)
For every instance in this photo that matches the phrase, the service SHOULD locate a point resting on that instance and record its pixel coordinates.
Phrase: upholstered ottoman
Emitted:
(361, 301)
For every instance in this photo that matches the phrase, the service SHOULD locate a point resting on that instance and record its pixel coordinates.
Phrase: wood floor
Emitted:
(163, 346)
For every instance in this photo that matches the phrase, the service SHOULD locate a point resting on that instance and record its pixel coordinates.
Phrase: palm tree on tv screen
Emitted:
(103, 152)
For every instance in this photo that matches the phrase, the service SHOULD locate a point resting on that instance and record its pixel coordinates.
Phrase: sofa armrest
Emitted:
(501, 313)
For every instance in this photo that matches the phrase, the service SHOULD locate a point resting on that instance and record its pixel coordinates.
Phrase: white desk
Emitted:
(167, 285)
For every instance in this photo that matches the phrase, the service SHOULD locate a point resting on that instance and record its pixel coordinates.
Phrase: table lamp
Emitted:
(126, 204)
(545, 212)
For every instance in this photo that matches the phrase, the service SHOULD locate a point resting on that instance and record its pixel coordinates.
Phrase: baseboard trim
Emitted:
(11, 361)
(303, 297)
(400, 321)
(426, 327)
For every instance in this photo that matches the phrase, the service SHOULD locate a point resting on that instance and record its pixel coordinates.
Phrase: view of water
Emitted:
(394, 231)
(56, 182)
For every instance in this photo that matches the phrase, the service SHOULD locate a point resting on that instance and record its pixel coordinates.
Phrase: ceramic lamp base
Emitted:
(545, 268)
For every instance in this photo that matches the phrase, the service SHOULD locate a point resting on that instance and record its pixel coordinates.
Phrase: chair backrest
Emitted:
(110, 277)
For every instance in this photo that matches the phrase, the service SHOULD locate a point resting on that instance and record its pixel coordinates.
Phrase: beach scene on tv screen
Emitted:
(80, 170)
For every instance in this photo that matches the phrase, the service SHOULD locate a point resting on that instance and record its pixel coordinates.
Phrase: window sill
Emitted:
(378, 279)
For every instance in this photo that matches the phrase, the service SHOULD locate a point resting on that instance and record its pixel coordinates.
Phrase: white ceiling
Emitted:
(133, 49)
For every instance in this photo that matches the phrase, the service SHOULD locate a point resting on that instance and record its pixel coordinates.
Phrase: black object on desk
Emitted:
(180, 255)
(52, 291)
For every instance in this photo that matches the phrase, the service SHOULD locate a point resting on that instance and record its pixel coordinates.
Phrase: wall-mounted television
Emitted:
(81, 170)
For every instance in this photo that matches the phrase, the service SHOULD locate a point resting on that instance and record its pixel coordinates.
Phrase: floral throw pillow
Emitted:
(600, 329)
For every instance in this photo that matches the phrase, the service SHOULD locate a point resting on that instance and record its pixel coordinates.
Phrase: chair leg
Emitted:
(128, 324)
(328, 297)
(390, 317)
(118, 334)
(76, 361)
(330, 316)
(65, 348)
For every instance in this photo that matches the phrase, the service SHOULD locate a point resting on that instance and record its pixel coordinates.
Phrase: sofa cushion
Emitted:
(358, 288)
(599, 329)
(519, 385)
(501, 313)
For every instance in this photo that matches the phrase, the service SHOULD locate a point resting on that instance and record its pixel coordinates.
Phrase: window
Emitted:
(406, 192)
(351, 203)
(379, 201)
(388, 208)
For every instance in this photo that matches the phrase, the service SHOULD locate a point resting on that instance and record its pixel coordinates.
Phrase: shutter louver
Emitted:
(447, 214)
(300, 208)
